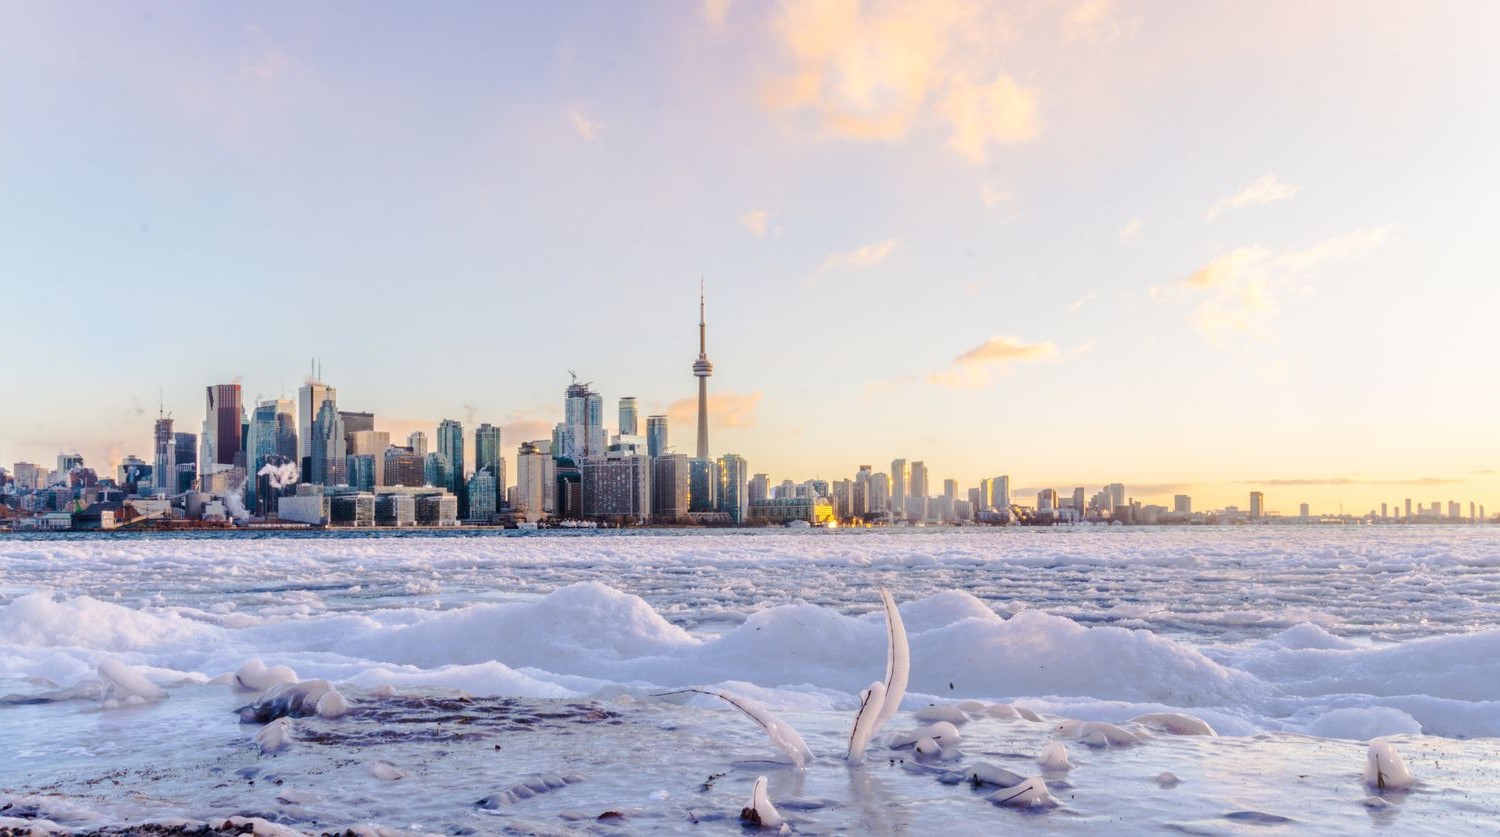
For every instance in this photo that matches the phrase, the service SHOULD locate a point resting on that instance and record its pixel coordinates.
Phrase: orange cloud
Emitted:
(725, 409)
(971, 370)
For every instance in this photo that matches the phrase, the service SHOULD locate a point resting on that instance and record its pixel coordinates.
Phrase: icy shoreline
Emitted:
(1296, 651)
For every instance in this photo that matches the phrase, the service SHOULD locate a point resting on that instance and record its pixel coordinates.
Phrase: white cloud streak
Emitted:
(1265, 190)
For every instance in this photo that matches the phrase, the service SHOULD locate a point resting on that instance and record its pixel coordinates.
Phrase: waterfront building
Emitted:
(362, 472)
(483, 499)
(273, 433)
(900, 477)
(488, 456)
(583, 432)
(1116, 494)
(670, 487)
(1257, 505)
(734, 478)
(1000, 492)
(450, 443)
(1182, 504)
(760, 487)
(531, 481)
(617, 487)
(916, 485)
(656, 435)
(186, 445)
(703, 484)
(437, 471)
(782, 510)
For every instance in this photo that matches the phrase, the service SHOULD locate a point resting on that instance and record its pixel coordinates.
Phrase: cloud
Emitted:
(716, 12)
(586, 128)
(725, 409)
(1082, 301)
(979, 114)
(877, 71)
(1240, 293)
(866, 256)
(1093, 22)
(756, 222)
(971, 370)
(1130, 230)
(1268, 189)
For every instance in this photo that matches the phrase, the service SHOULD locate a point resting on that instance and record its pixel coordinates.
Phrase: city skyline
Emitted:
(1014, 246)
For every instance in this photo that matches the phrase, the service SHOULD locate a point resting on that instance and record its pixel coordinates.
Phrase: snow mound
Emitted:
(41, 620)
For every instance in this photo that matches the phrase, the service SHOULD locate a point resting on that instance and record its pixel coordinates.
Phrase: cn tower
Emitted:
(701, 370)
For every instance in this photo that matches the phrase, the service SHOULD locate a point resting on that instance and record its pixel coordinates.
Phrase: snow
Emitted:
(470, 666)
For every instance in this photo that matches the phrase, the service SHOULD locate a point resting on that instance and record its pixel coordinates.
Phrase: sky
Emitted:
(1200, 248)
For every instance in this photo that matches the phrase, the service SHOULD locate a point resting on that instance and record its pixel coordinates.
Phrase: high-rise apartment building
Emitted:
(489, 457)
(1116, 494)
(483, 497)
(760, 487)
(1182, 504)
(531, 479)
(1000, 492)
(1257, 505)
(734, 480)
(916, 485)
(582, 433)
(670, 486)
(656, 435)
(899, 486)
(617, 486)
(450, 443)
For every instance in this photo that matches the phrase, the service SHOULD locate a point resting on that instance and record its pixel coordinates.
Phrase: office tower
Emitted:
(328, 448)
(1116, 494)
(760, 488)
(355, 421)
(221, 426)
(187, 460)
(734, 493)
(950, 489)
(164, 476)
(670, 487)
(310, 399)
(843, 499)
(916, 484)
(656, 435)
(488, 457)
(483, 498)
(1000, 486)
(531, 481)
(417, 441)
(1078, 500)
(1182, 504)
(403, 467)
(30, 476)
(628, 416)
(1257, 504)
(273, 433)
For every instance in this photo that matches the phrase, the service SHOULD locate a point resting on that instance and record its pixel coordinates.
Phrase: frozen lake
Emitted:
(475, 665)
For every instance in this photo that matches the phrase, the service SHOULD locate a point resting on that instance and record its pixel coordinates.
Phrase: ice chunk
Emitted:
(942, 732)
(1168, 779)
(760, 811)
(871, 701)
(295, 700)
(122, 683)
(1175, 723)
(1031, 793)
(951, 714)
(1054, 756)
(274, 737)
(384, 770)
(1384, 769)
(1097, 733)
(254, 676)
(984, 773)
(784, 736)
(897, 661)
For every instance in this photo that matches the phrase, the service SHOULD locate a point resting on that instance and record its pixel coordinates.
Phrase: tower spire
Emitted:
(702, 368)
(702, 328)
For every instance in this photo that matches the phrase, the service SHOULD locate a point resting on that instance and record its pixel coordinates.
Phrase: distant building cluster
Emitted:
(310, 463)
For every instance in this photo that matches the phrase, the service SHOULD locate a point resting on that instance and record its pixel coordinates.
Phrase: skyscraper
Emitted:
(450, 443)
(656, 435)
(702, 369)
(670, 487)
(221, 426)
(1257, 504)
(488, 457)
(734, 479)
(310, 399)
(328, 448)
(583, 434)
(628, 416)
(273, 433)
(898, 487)
(164, 475)
(417, 441)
